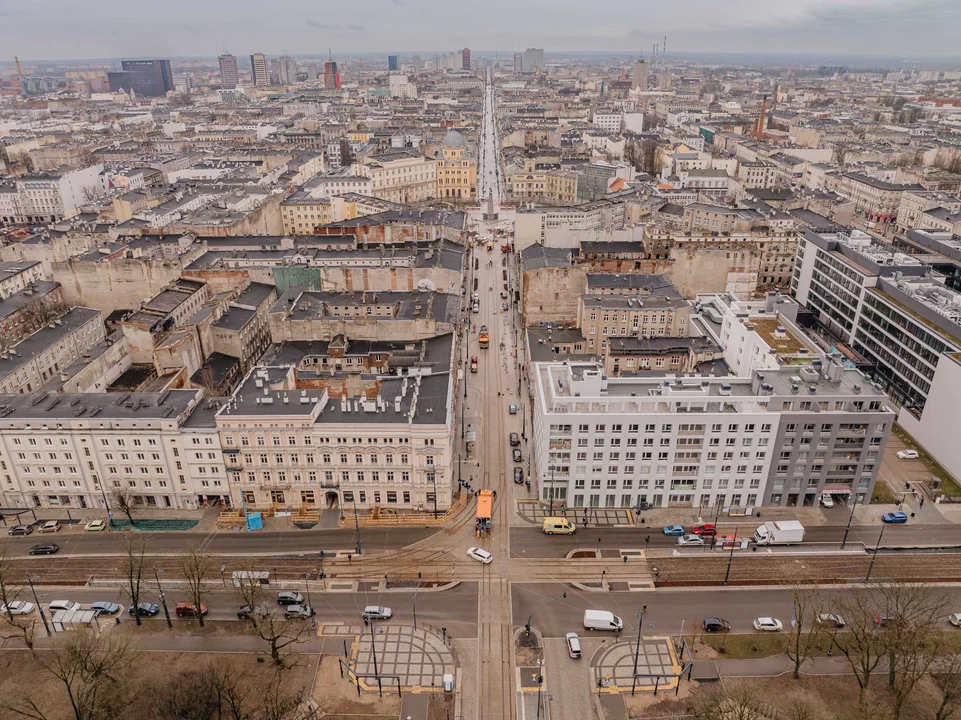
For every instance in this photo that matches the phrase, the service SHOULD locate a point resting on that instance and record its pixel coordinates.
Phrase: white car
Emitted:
(907, 454)
(827, 501)
(377, 612)
(17, 607)
(480, 554)
(690, 540)
(767, 624)
(953, 618)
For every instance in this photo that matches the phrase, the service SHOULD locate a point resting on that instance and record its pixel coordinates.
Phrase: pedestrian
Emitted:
(350, 558)
(921, 501)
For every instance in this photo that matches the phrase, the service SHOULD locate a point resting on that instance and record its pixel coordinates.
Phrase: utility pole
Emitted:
(874, 555)
(43, 617)
(415, 599)
(850, 519)
(730, 557)
(637, 648)
(357, 548)
(163, 599)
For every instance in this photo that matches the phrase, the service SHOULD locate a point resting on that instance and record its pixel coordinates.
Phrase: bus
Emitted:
(485, 506)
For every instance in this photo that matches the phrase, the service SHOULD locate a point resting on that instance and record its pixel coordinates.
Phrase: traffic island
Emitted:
(413, 660)
(655, 659)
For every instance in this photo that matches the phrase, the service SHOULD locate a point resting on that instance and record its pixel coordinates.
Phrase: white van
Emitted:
(602, 620)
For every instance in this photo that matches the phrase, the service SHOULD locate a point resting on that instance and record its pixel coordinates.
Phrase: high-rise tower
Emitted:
(229, 76)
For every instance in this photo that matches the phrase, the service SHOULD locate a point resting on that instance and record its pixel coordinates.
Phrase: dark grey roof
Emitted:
(95, 407)
(535, 257)
(655, 284)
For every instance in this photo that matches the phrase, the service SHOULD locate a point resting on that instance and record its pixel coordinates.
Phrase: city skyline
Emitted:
(179, 29)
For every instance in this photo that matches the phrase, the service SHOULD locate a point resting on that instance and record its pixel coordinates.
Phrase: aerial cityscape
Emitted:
(592, 368)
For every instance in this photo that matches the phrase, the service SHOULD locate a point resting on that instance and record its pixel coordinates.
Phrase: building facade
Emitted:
(229, 75)
(259, 70)
(147, 78)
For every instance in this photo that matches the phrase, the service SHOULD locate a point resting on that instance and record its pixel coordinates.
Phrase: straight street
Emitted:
(667, 609)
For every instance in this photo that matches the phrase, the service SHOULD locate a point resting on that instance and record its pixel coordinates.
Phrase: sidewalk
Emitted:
(776, 665)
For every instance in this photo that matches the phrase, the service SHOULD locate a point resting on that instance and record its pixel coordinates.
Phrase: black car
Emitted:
(518, 476)
(245, 612)
(290, 598)
(715, 625)
(515, 439)
(48, 549)
(20, 530)
(516, 454)
(145, 609)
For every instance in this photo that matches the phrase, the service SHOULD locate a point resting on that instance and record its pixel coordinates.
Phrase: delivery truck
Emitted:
(780, 532)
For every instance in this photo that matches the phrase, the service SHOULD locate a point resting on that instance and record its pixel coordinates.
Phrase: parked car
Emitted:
(516, 454)
(16, 607)
(144, 609)
(673, 529)
(768, 624)
(95, 526)
(185, 609)
(895, 517)
(303, 612)
(512, 409)
(704, 529)
(377, 612)
(50, 526)
(907, 454)
(58, 605)
(515, 439)
(47, 549)
(105, 607)
(830, 619)
(20, 530)
(884, 620)
(953, 618)
(245, 612)
(519, 476)
(290, 598)
(690, 540)
(827, 501)
(573, 645)
(480, 554)
(715, 625)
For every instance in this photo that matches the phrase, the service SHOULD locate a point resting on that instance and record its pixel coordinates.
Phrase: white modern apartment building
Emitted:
(47, 197)
(781, 437)
(901, 317)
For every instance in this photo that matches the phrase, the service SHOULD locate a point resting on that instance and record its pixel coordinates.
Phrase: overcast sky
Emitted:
(35, 29)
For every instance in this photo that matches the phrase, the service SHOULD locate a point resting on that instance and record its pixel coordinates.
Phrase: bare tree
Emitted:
(862, 645)
(281, 634)
(41, 311)
(89, 193)
(839, 151)
(91, 667)
(947, 679)
(12, 626)
(732, 701)
(912, 637)
(196, 566)
(803, 641)
(124, 499)
(133, 567)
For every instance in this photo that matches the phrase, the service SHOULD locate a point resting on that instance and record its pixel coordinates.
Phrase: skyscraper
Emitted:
(533, 59)
(393, 62)
(260, 70)
(286, 70)
(331, 76)
(466, 56)
(229, 76)
(641, 77)
(518, 62)
(149, 78)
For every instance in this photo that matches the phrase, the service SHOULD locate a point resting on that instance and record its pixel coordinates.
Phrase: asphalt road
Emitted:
(289, 542)
(530, 542)
(666, 610)
(455, 609)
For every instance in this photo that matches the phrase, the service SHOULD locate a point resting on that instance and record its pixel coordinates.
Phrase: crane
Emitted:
(23, 89)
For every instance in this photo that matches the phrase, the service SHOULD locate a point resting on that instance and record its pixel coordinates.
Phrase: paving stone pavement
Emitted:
(614, 668)
(418, 657)
(536, 511)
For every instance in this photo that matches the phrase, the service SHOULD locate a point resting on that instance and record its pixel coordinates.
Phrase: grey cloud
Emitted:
(323, 26)
(355, 28)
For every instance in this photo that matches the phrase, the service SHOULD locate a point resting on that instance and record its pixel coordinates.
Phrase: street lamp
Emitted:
(637, 648)
(844, 540)
(730, 558)
(527, 627)
(37, 602)
(874, 555)
(307, 586)
(415, 599)
(163, 600)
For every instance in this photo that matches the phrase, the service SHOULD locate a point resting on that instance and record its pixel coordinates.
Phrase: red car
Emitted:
(704, 529)
(187, 609)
